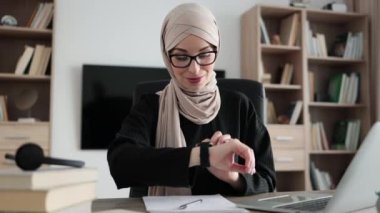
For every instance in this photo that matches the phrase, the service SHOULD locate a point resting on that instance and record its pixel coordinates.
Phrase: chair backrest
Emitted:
(252, 89)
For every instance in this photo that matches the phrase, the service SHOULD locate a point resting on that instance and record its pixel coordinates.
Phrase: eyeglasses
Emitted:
(203, 59)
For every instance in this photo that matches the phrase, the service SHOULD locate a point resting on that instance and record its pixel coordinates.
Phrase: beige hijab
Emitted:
(201, 106)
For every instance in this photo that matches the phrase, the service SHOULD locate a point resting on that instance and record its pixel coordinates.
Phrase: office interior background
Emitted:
(125, 33)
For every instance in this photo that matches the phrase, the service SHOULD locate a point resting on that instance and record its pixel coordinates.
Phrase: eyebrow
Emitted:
(183, 50)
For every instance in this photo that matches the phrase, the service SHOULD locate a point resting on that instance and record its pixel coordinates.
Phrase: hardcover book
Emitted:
(46, 200)
(44, 178)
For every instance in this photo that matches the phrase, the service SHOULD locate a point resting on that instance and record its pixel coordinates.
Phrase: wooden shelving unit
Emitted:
(12, 41)
(292, 143)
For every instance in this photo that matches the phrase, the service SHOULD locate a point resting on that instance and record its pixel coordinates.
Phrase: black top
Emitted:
(135, 162)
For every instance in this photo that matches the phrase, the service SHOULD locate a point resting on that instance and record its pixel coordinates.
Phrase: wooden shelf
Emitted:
(333, 60)
(332, 17)
(6, 76)
(15, 123)
(335, 105)
(332, 152)
(25, 32)
(282, 87)
(279, 49)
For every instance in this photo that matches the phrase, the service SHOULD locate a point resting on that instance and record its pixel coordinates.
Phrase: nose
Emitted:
(194, 67)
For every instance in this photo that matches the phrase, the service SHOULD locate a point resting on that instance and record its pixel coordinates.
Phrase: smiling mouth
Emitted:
(195, 80)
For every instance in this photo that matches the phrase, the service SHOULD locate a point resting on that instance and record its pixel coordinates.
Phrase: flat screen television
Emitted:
(107, 98)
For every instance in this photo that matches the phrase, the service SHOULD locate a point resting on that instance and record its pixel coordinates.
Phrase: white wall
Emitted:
(119, 32)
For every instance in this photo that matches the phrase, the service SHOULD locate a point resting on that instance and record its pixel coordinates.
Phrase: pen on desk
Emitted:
(184, 206)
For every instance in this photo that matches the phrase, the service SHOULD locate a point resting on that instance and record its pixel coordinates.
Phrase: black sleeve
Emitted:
(134, 161)
(257, 137)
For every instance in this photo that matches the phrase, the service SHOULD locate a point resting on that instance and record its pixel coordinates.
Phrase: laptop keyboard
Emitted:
(309, 205)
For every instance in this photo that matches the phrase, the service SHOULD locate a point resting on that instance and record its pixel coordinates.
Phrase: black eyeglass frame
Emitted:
(193, 58)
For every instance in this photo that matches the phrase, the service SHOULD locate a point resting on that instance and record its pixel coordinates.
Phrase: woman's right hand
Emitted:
(222, 156)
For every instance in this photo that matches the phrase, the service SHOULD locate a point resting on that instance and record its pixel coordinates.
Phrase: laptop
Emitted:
(355, 191)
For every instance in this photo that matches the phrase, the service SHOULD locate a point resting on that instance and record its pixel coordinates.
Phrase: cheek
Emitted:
(209, 69)
(177, 72)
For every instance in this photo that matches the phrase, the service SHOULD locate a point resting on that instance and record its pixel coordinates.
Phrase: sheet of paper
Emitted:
(209, 203)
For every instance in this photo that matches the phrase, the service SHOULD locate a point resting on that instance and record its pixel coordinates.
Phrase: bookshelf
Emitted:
(292, 145)
(25, 89)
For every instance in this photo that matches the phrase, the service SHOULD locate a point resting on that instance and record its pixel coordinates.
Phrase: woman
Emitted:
(191, 138)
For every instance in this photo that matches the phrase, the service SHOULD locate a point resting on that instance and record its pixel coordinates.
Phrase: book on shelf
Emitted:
(39, 49)
(263, 76)
(40, 60)
(346, 135)
(352, 135)
(289, 29)
(42, 68)
(287, 74)
(24, 60)
(324, 139)
(321, 45)
(3, 108)
(319, 139)
(315, 137)
(46, 200)
(45, 177)
(42, 16)
(264, 33)
(311, 78)
(296, 108)
(271, 114)
(344, 88)
(354, 46)
(320, 180)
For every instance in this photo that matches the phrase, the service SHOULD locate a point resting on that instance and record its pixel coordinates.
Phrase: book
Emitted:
(36, 17)
(45, 177)
(264, 33)
(24, 60)
(47, 16)
(3, 108)
(43, 16)
(296, 113)
(335, 84)
(324, 140)
(46, 200)
(271, 112)
(311, 78)
(45, 58)
(36, 61)
(287, 74)
(339, 135)
(288, 29)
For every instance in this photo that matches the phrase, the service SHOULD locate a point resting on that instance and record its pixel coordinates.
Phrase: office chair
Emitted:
(252, 89)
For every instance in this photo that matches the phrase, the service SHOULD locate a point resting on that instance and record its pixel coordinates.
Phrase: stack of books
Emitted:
(47, 189)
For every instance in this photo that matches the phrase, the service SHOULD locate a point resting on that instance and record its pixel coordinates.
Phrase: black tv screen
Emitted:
(107, 98)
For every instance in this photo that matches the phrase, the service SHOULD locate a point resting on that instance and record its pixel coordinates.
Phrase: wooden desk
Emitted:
(122, 205)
